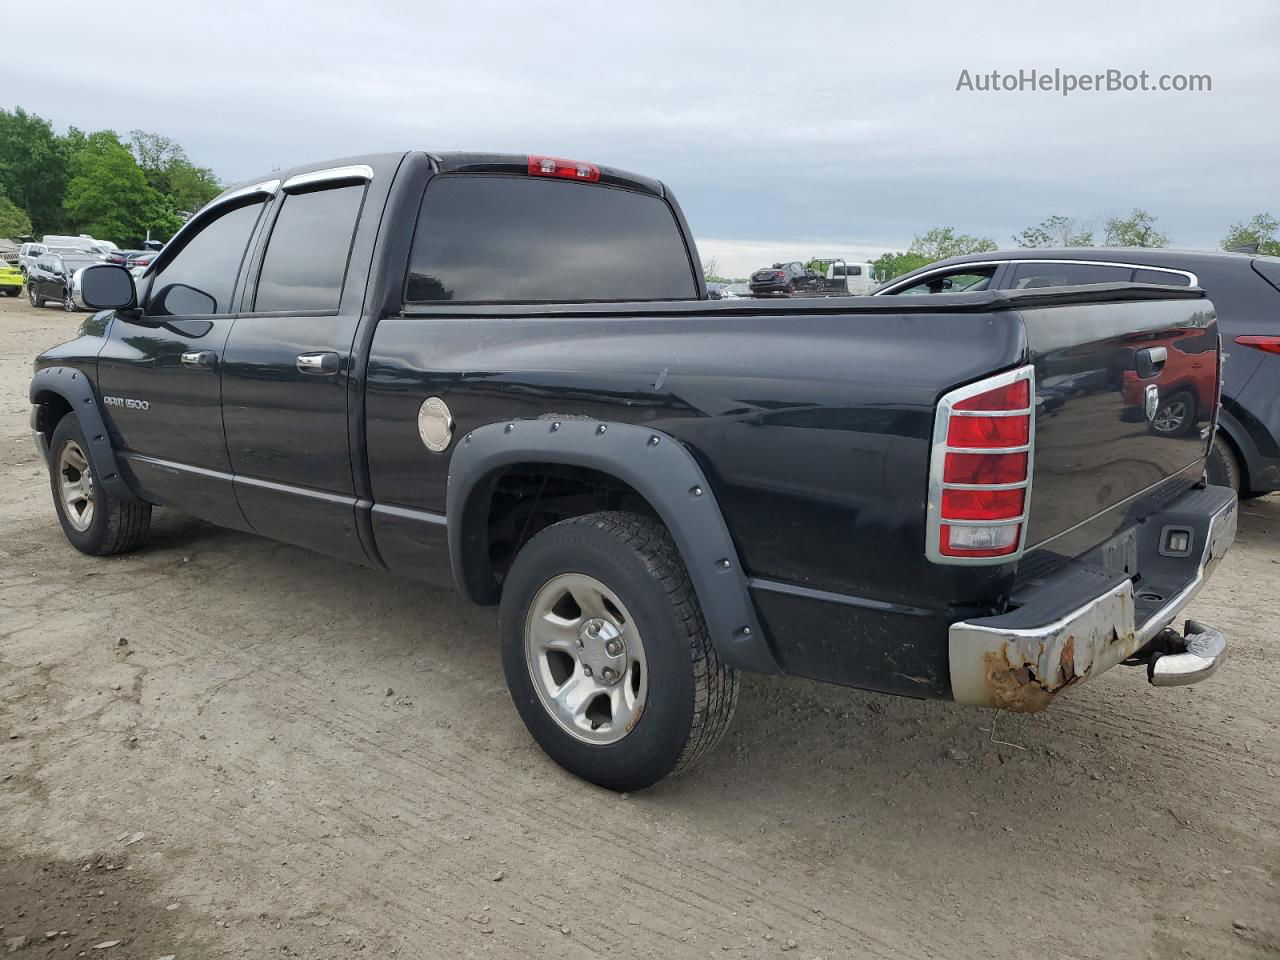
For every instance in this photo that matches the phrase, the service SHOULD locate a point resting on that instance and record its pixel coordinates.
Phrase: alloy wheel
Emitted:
(586, 658)
(75, 486)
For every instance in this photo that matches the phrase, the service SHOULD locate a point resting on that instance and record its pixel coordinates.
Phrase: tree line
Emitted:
(1138, 229)
(101, 183)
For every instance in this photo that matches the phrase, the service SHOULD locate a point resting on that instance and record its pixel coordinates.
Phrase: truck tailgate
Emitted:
(1126, 396)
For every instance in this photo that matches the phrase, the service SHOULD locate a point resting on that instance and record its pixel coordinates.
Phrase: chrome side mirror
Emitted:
(103, 286)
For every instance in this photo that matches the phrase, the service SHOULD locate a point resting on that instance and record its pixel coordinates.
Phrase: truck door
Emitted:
(158, 374)
(288, 368)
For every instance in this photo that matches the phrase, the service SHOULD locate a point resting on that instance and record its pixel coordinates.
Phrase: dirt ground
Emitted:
(223, 747)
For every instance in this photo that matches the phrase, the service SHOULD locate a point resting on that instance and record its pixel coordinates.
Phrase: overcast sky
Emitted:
(832, 128)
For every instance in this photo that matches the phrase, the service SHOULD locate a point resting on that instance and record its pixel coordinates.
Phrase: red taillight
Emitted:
(989, 431)
(564, 169)
(981, 504)
(1265, 344)
(1016, 396)
(978, 501)
(985, 468)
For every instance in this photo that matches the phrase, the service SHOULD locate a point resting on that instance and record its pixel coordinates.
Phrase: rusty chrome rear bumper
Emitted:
(1023, 667)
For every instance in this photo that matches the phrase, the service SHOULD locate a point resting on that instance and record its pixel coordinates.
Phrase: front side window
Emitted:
(306, 260)
(1027, 276)
(201, 278)
(964, 280)
(500, 239)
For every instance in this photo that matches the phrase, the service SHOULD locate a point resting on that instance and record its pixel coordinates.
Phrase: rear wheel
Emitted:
(35, 298)
(1223, 466)
(606, 653)
(93, 520)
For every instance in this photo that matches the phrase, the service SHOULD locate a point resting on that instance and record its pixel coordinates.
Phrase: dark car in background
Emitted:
(1245, 289)
(139, 258)
(50, 275)
(785, 280)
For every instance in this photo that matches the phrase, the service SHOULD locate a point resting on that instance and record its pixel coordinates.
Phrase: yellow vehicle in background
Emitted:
(10, 279)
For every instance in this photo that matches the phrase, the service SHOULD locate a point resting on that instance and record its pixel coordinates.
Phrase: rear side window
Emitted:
(306, 260)
(1027, 276)
(493, 239)
(1167, 277)
(1269, 269)
(202, 276)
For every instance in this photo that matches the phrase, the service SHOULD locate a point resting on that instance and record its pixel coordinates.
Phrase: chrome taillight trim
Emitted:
(934, 520)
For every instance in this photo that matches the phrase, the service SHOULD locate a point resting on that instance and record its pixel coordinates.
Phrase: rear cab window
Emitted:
(491, 238)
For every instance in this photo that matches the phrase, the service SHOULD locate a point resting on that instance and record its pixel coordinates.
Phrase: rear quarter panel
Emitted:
(814, 429)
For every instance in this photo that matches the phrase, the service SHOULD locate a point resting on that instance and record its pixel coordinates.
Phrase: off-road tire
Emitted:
(691, 693)
(117, 526)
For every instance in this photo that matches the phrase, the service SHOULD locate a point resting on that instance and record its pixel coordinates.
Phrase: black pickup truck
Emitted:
(503, 373)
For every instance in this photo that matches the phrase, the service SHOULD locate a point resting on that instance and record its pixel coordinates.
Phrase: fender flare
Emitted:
(658, 467)
(73, 386)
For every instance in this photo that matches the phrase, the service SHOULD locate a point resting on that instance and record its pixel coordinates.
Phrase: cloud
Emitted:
(832, 128)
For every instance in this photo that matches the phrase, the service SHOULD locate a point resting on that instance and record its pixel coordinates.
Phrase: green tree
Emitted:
(108, 195)
(1263, 229)
(13, 222)
(33, 167)
(943, 242)
(1056, 231)
(184, 186)
(1136, 230)
(889, 265)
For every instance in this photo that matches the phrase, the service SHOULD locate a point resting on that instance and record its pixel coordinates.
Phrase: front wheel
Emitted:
(93, 520)
(606, 653)
(68, 304)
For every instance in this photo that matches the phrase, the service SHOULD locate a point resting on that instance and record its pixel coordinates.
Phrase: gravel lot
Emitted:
(223, 747)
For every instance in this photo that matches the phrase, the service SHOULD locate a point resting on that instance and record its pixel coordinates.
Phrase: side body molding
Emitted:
(74, 387)
(655, 465)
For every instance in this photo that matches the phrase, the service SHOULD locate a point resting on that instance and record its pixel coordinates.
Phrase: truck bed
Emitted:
(813, 421)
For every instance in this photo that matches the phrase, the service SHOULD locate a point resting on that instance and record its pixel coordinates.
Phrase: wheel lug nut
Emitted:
(586, 671)
(609, 675)
(613, 647)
